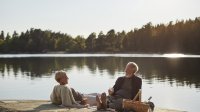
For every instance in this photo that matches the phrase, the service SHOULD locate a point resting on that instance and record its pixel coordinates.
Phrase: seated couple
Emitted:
(125, 87)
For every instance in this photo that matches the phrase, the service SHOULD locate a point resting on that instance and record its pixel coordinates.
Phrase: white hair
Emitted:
(59, 74)
(133, 65)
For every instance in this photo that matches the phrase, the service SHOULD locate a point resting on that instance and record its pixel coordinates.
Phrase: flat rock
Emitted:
(47, 106)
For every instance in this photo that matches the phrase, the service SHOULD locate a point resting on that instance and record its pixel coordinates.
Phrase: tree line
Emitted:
(181, 36)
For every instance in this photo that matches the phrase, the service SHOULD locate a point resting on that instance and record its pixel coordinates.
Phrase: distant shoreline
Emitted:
(63, 52)
(123, 55)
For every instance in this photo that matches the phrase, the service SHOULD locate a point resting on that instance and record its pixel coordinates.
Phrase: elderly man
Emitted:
(125, 87)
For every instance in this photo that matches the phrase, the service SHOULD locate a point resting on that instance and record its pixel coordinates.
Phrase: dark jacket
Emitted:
(136, 85)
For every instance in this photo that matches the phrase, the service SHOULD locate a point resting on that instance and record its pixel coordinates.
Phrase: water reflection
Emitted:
(183, 71)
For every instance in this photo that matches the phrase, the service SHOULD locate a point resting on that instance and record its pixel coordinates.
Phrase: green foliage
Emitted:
(91, 42)
(2, 35)
(110, 40)
(181, 36)
(100, 42)
(79, 44)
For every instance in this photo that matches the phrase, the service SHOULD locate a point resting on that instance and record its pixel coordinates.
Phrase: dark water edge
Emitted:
(174, 55)
(103, 52)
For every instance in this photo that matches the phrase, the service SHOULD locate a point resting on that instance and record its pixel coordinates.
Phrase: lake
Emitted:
(173, 80)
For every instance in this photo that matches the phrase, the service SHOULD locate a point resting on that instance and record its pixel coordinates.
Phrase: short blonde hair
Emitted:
(59, 75)
(133, 65)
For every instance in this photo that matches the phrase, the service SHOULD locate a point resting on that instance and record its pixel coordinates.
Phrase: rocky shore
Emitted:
(46, 106)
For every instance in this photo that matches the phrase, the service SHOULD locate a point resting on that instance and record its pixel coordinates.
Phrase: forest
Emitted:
(182, 36)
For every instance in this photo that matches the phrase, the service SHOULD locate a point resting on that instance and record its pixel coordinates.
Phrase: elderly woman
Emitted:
(125, 87)
(63, 95)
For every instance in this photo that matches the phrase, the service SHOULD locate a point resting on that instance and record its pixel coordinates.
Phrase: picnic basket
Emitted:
(137, 106)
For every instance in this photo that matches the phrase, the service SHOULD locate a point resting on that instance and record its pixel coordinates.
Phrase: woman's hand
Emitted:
(83, 106)
(87, 105)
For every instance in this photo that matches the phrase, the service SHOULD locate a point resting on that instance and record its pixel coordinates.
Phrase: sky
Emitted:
(82, 17)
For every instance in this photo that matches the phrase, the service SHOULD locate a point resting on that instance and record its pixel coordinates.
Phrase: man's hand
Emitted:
(110, 91)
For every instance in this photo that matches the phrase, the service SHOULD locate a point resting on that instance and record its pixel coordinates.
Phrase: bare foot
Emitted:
(104, 101)
(99, 103)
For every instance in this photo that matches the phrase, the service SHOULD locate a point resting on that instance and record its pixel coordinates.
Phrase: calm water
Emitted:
(173, 80)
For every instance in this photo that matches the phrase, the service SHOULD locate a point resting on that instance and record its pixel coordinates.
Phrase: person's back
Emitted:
(62, 95)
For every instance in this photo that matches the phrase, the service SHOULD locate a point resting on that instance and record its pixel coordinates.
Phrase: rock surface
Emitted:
(46, 106)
